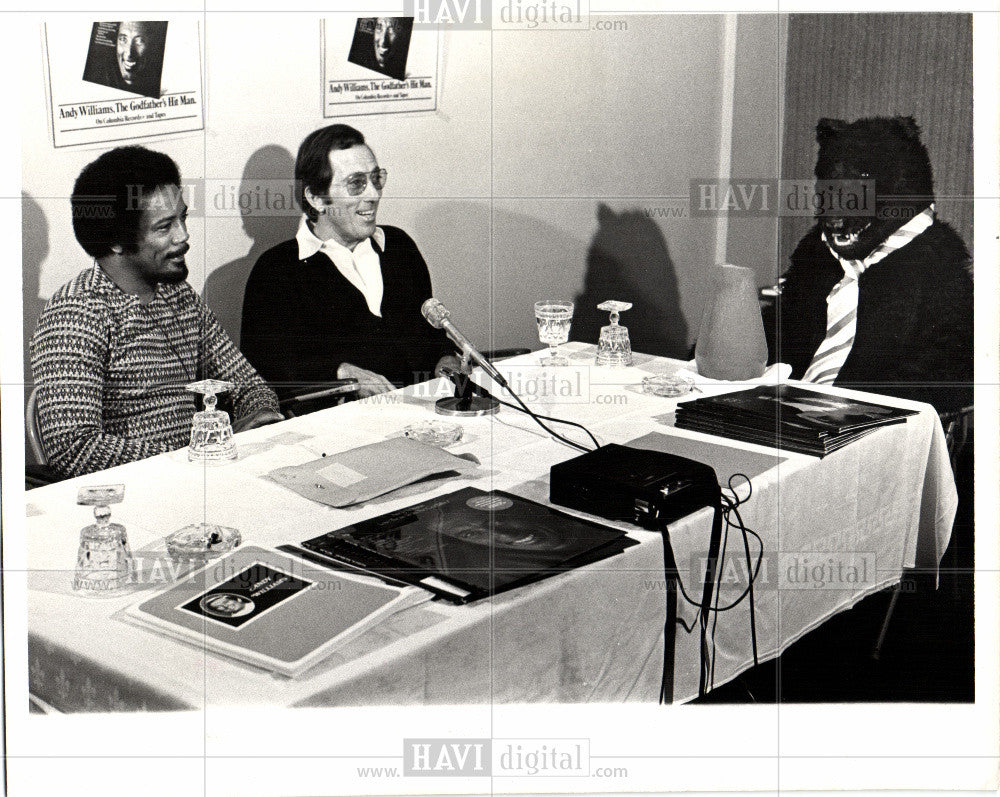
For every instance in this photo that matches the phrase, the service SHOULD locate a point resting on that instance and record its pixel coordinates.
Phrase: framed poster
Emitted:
(378, 65)
(113, 81)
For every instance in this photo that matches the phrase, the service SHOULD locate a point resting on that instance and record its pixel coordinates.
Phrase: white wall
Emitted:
(540, 174)
(592, 131)
(758, 123)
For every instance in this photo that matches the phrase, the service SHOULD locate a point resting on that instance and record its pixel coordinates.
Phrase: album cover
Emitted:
(775, 438)
(483, 542)
(127, 56)
(270, 609)
(382, 44)
(788, 417)
(115, 82)
(377, 65)
(798, 408)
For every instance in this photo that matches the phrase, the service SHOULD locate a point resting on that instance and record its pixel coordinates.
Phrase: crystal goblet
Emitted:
(554, 318)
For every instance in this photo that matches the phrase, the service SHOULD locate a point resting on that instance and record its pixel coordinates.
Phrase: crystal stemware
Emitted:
(554, 318)
(614, 347)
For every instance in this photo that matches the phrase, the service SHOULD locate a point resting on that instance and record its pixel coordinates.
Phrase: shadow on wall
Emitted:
(266, 227)
(34, 250)
(517, 256)
(628, 260)
(532, 259)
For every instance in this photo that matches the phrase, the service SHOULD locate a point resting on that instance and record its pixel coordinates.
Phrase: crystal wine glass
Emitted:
(554, 318)
(211, 431)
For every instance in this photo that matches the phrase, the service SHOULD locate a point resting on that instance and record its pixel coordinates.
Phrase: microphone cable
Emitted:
(538, 418)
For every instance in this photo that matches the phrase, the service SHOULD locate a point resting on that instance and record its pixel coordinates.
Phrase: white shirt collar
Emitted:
(309, 244)
(361, 267)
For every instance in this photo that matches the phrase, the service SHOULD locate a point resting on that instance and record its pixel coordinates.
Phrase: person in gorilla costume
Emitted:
(913, 279)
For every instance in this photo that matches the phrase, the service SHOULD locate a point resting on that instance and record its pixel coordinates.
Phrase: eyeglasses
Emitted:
(357, 183)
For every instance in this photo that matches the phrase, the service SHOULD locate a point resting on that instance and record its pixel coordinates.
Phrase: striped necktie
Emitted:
(842, 303)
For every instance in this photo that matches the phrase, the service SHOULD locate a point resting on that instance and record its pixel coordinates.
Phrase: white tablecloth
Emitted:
(834, 530)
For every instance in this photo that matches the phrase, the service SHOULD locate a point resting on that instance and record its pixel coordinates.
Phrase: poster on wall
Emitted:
(114, 81)
(378, 65)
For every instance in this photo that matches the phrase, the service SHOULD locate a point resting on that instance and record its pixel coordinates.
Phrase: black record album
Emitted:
(478, 542)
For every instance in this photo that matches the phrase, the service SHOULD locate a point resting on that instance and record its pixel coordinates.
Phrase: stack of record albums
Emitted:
(787, 417)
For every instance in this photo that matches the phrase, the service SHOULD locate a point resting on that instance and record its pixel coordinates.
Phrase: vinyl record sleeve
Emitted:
(799, 408)
(777, 437)
(482, 542)
(270, 609)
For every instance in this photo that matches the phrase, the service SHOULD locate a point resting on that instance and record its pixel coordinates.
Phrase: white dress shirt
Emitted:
(361, 267)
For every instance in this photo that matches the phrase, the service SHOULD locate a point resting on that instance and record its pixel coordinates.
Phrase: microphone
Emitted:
(439, 318)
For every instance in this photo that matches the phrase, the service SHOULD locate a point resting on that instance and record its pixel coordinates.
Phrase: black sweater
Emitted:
(302, 318)
(915, 318)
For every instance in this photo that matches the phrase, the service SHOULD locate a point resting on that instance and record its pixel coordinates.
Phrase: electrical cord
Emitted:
(477, 389)
(732, 509)
(725, 509)
(729, 508)
(553, 420)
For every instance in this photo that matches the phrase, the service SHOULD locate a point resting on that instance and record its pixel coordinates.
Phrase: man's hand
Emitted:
(369, 383)
(448, 361)
(259, 418)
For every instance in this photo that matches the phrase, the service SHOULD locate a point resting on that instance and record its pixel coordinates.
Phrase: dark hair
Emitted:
(156, 32)
(312, 166)
(107, 199)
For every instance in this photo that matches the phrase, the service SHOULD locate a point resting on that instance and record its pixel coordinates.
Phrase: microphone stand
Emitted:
(469, 399)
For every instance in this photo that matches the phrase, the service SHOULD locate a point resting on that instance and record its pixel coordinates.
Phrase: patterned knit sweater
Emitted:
(111, 372)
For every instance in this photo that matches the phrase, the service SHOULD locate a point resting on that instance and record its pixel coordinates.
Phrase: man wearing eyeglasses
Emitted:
(342, 299)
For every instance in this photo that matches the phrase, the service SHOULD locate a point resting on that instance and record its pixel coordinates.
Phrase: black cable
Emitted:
(753, 617)
(736, 602)
(550, 418)
(752, 571)
(746, 549)
(711, 570)
(719, 567)
(755, 569)
(685, 626)
(729, 509)
(468, 384)
(552, 432)
(671, 577)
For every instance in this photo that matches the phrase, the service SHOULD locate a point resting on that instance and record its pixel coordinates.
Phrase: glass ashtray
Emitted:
(437, 433)
(667, 386)
(201, 542)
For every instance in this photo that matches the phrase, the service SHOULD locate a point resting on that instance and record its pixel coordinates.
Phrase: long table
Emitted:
(834, 530)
